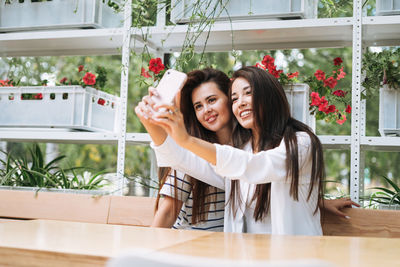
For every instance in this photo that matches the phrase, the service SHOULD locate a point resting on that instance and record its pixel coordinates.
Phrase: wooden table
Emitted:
(60, 243)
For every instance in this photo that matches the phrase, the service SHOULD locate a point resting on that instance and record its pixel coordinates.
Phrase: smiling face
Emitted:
(211, 107)
(242, 103)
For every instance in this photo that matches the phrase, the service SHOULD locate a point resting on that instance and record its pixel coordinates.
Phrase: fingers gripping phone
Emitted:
(170, 84)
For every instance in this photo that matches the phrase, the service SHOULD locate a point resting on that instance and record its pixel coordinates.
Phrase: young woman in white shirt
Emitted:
(189, 203)
(247, 203)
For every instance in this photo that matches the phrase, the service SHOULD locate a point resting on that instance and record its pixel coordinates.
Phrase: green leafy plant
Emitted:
(380, 68)
(33, 171)
(84, 77)
(385, 196)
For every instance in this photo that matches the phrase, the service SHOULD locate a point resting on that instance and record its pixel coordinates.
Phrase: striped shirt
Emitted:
(215, 199)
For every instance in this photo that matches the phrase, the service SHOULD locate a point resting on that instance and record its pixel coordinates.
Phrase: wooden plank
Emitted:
(129, 210)
(54, 206)
(363, 222)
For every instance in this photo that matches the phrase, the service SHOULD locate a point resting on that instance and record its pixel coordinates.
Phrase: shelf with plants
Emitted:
(247, 35)
(224, 36)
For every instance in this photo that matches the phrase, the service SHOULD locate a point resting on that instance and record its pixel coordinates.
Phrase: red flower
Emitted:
(268, 61)
(101, 101)
(274, 71)
(89, 78)
(348, 109)
(155, 65)
(38, 96)
(145, 73)
(292, 75)
(315, 100)
(341, 120)
(339, 93)
(320, 75)
(259, 65)
(63, 80)
(337, 61)
(5, 83)
(330, 82)
(323, 104)
(80, 68)
(330, 109)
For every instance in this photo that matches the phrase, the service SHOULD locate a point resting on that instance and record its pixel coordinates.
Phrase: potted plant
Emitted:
(31, 172)
(327, 102)
(76, 103)
(382, 72)
(385, 198)
(56, 14)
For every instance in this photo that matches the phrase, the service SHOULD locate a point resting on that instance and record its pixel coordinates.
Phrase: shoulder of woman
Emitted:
(303, 139)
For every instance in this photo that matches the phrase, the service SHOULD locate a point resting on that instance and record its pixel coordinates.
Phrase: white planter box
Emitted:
(387, 7)
(389, 207)
(298, 98)
(246, 10)
(55, 190)
(389, 111)
(57, 14)
(68, 107)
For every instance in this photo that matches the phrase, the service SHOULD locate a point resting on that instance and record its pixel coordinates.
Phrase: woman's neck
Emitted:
(224, 135)
(255, 141)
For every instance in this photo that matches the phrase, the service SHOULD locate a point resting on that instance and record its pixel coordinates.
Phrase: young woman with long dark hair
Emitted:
(190, 203)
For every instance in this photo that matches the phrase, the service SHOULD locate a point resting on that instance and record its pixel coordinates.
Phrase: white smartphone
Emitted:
(170, 84)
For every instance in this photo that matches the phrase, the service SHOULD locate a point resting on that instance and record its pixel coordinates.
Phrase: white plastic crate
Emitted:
(387, 7)
(57, 14)
(246, 10)
(389, 111)
(67, 107)
(298, 98)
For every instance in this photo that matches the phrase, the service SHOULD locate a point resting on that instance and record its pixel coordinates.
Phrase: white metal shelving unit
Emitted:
(356, 31)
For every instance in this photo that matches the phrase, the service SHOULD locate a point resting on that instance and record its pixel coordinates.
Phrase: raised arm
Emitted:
(262, 167)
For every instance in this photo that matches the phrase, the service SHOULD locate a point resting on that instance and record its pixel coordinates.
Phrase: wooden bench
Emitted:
(363, 222)
(139, 211)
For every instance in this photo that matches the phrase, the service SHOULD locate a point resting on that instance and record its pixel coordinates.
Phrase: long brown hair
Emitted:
(268, 97)
(201, 191)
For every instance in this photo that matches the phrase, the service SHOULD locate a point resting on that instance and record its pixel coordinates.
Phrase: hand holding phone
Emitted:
(170, 84)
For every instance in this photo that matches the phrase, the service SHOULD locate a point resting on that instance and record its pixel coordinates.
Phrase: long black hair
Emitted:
(273, 122)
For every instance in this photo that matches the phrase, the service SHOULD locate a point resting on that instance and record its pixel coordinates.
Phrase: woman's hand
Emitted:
(170, 119)
(336, 205)
(145, 111)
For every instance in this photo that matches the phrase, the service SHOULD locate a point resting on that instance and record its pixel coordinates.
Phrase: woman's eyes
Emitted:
(234, 99)
(212, 100)
(197, 107)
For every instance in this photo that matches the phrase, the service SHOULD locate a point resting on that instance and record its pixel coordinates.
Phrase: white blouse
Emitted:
(287, 216)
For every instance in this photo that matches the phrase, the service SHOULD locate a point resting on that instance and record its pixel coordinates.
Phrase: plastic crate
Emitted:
(67, 107)
(57, 14)
(298, 98)
(387, 7)
(389, 111)
(245, 10)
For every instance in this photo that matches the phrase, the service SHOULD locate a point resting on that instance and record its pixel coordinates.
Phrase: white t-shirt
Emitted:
(215, 199)
(287, 215)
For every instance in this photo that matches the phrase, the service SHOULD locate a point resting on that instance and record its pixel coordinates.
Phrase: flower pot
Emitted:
(57, 14)
(66, 107)
(298, 98)
(182, 10)
(55, 190)
(389, 207)
(389, 111)
(387, 7)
